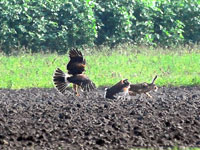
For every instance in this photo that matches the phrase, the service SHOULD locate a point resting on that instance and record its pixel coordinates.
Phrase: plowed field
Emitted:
(40, 119)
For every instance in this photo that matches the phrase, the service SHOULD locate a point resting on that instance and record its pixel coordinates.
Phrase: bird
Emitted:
(120, 88)
(75, 75)
(143, 88)
(77, 63)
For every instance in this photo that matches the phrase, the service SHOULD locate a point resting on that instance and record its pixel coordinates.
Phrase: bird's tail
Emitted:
(59, 80)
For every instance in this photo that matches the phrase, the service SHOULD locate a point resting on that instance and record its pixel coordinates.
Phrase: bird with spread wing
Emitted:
(75, 67)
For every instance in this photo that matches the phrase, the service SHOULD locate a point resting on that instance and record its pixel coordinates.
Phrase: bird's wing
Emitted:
(83, 81)
(74, 53)
(117, 87)
(77, 63)
(121, 86)
(59, 80)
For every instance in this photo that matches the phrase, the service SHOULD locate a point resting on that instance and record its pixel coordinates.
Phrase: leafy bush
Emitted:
(168, 30)
(142, 24)
(77, 24)
(46, 24)
(113, 21)
(58, 25)
(189, 13)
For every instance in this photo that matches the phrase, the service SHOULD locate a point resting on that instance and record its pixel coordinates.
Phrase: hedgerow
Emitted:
(46, 24)
(58, 25)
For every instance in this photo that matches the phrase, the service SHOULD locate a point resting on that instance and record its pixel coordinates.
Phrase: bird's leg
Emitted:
(76, 91)
(126, 95)
(75, 88)
(148, 95)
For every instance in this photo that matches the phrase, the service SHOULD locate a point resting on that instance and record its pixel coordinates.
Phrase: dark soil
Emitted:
(39, 119)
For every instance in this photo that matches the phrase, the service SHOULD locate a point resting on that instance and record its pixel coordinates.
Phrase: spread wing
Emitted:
(77, 63)
(59, 80)
(83, 81)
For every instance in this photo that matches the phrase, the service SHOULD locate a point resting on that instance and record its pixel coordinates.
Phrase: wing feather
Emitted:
(75, 53)
(83, 81)
(77, 63)
(59, 80)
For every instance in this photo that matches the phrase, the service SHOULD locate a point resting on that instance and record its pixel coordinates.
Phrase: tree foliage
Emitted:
(58, 25)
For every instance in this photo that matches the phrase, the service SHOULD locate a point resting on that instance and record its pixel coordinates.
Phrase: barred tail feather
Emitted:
(59, 80)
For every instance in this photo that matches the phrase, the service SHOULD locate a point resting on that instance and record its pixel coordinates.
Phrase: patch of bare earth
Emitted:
(43, 119)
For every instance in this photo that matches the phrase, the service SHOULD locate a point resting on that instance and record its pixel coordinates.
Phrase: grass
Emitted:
(174, 67)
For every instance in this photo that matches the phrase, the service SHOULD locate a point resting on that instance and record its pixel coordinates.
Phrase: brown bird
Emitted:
(77, 63)
(120, 88)
(75, 67)
(143, 88)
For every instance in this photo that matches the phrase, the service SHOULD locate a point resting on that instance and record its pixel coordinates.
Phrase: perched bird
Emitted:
(75, 67)
(143, 88)
(120, 88)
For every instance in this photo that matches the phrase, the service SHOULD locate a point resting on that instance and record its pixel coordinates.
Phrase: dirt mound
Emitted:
(43, 119)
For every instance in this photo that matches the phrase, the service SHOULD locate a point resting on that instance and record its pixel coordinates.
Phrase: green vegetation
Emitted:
(138, 64)
(58, 25)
